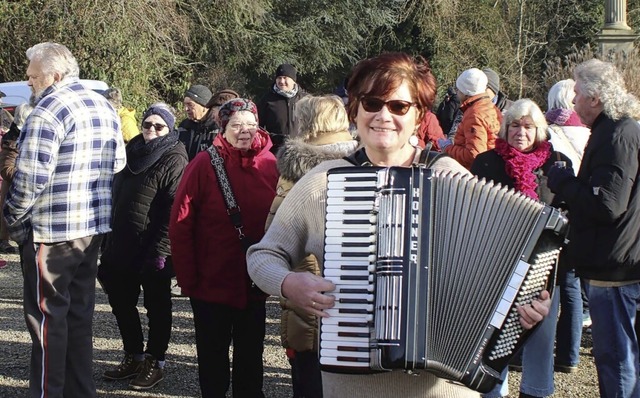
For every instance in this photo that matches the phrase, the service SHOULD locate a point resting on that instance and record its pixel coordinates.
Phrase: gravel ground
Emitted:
(181, 380)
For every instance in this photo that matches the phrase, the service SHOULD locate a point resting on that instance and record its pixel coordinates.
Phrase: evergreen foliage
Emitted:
(154, 49)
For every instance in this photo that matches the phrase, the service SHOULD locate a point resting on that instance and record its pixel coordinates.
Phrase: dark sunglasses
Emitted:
(157, 126)
(397, 107)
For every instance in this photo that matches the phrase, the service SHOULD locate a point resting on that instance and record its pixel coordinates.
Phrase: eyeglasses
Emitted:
(396, 107)
(157, 126)
(240, 126)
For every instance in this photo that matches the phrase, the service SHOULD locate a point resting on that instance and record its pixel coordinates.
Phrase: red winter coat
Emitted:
(430, 130)
(209, 261)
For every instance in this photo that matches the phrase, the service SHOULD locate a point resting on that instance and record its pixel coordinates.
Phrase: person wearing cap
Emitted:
(276, 107)
(128, 121)
(136, 253)
(215, 103)
(493, 90)
(480, 124)
(195, 132)
(209, 256)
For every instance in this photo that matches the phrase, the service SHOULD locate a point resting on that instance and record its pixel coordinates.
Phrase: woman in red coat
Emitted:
(209, 259)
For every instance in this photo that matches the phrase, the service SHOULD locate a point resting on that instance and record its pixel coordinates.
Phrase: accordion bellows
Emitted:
(429, 269)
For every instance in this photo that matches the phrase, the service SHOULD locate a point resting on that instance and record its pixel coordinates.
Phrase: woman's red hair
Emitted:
(382, 75)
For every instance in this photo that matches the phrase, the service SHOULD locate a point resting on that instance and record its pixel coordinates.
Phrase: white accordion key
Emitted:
(329, 361)
(354, 280)
(344, 340)
(336, 353)
(349, 249)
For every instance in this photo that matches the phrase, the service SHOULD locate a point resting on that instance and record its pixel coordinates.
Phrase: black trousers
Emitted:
(59, 301)
(216, 326)
(123, 289)
(306, 377)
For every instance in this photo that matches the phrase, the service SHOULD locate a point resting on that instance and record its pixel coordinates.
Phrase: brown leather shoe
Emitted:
(150, 375)
(127, 369)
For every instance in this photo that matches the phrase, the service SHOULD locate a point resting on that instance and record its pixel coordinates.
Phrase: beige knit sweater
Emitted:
(297, 230)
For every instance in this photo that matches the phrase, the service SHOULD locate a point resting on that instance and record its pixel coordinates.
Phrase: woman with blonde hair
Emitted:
(323, 135)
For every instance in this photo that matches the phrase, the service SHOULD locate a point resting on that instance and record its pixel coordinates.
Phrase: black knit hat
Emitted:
(199, 94)
(164, 112)
(287, 70)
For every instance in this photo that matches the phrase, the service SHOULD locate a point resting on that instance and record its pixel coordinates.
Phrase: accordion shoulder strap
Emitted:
(429, 157)
(426, 157)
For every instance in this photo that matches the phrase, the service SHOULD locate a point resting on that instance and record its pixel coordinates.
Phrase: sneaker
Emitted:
(564, 368)
(586, 321)
(149, 376)
(127, 369)
(175, 290)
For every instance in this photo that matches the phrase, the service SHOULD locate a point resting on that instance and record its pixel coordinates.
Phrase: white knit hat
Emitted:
(472, 82)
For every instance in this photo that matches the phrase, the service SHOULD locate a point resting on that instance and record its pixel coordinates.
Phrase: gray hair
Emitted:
(561, 95)
(521, 108)
(21, 113)
(602, 79)
(55, 58)
(114, 96)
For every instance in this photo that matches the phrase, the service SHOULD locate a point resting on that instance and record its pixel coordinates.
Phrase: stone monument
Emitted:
(615, 35)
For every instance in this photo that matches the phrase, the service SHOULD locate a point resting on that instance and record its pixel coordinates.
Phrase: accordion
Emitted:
(429, 268)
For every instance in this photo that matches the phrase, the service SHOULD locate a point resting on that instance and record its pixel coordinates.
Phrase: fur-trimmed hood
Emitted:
(297, 157)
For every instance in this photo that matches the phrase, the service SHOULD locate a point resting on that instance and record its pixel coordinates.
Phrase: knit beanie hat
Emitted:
(493, 80)
(221, 97)
(199, 94)
(287, 70)
(230, 108)
(472, 82)
(162, 111)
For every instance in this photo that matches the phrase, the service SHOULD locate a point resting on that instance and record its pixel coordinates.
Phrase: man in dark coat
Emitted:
(604, 208)
(275, 109)
(197, 131)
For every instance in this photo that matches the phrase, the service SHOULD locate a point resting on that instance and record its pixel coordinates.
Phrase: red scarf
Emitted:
(520, 166)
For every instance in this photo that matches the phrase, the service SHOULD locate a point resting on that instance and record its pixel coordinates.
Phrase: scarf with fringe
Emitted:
(520, 166)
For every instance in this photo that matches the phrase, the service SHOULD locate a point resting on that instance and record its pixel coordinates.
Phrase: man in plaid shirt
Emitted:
(58, 209)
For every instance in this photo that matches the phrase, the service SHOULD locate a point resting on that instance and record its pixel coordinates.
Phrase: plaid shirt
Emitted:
(69, 149)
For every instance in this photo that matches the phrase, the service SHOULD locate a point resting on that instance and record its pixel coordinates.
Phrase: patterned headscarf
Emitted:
(230, 108)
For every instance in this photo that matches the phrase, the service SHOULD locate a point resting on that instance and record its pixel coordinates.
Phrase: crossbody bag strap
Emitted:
(233, 210)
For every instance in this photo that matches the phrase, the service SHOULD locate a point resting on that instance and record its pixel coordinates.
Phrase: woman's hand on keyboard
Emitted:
(535, 312)
(305, 291)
